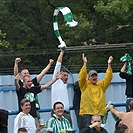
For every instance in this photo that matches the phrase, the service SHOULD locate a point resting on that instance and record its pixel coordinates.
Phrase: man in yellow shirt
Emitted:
(93, 99)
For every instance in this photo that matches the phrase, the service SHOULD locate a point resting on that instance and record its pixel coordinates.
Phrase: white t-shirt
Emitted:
(59, 92)
(26, 121)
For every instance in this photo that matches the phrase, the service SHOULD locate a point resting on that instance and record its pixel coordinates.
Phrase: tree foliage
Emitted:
(30, 34)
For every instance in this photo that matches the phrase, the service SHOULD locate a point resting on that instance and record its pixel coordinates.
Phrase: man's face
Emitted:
(64, 77)
(93, 78)
(24, 72)
(27, 82)
(26, 107)
(59, 110)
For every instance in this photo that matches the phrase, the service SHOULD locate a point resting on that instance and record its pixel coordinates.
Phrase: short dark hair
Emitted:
(64, 70)
(57, 103)
(131, 105)
(120, 128)
(23, 101)
(117, 122)
(22, 129)
(23, 69)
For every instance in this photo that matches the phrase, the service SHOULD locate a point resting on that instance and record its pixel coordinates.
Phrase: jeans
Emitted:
(83, 121)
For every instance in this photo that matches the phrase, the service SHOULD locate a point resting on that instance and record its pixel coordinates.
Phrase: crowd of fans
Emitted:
(89, 100)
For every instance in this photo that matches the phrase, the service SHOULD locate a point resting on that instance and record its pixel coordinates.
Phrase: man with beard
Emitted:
(59, 90)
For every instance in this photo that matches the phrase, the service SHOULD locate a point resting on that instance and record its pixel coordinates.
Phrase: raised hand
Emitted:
(51, 61)
(84, 58)
(59, 75)
(17, 60)
(110, 59)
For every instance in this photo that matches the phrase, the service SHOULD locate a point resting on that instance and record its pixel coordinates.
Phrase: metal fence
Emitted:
(8, 98)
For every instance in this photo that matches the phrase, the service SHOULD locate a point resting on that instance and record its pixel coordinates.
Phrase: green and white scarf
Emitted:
(127, 58)
(105, 117)
(69, 19)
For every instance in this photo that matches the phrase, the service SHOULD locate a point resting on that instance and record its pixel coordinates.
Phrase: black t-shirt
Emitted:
(129, 83)
(34, 83)
(29, 94)
(77, 96)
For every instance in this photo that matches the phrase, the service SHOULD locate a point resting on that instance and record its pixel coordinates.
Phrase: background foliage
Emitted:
(27, 32)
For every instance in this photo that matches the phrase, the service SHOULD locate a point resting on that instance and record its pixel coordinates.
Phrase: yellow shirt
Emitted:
(93, 99)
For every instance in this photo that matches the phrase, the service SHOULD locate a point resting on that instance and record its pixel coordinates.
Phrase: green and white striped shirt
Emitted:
(56, 125)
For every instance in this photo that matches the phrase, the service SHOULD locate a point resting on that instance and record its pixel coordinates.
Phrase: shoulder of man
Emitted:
(34, 81)
(103, 129)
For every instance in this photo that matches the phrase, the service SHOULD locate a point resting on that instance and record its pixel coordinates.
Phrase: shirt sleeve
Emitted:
(34, 81)
(107, 79)
(124, 75)
(82, 78)
(20, 83)
(37, 89)
(21, 121)
(49, 123)
(57, 69)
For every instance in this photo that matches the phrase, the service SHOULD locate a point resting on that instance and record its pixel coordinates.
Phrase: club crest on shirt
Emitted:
(30, 96)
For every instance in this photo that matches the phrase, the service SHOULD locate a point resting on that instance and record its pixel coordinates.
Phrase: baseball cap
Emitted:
(91, 72)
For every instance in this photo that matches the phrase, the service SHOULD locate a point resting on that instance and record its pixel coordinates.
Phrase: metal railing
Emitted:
(14, 112)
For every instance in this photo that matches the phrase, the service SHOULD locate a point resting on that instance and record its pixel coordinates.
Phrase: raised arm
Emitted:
(82, 76)
(110, 61)
(16, 81)
(84, 60)
(57, 68)
(17, 60)
(44, 71)
(45, 86)
(60, 57)
(124, 67)
(114, 111)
